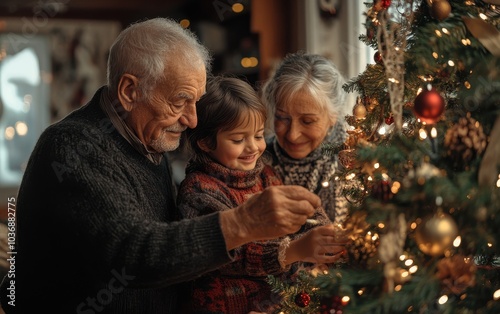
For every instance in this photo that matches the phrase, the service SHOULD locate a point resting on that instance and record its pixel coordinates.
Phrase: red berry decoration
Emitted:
(385, 3)
(389, 120)
(302, 299)
(382, 5)
(429, 106)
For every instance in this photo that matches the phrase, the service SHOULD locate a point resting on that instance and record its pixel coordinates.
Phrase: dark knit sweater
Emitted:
(240, 286)
(95, 226)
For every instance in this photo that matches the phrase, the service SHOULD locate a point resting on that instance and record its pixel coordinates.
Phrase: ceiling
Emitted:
(15, 5)
(124, 10)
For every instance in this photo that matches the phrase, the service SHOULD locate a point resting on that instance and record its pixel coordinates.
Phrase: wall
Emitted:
(293, 25)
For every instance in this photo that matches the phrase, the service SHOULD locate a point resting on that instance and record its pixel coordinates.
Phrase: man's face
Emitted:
(171, 108)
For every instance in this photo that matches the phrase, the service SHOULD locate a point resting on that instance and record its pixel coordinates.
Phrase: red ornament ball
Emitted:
(377, 57)
(302, 299)
(429, 106)
(389, 120)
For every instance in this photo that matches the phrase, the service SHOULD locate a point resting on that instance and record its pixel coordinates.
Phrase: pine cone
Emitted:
(465, 140)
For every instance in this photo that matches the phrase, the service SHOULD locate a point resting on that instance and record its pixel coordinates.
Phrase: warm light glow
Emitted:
(422, 134)
(435, 55)
(438, 33)
(405, 274)
(10, 132)
(467, 84)
(345, 300)
(393, 80)
(382, 131)
(360, 292)
(250, 62)
(490, 245)
(443, 299)
(413, 269)
(254, 61)
(21, 128)
(483, 16)
(457, 241)
(395, 187)
(350, 176)
(398, 288)
(185, 23)
(496, 295)
(237, 8)
(381, 225)
(445, 31)
(376, 165)
(325, 184)
(245, 62)
(434, 132)
(402, 257)
(413, 225)
(451, 63)
(408, 262)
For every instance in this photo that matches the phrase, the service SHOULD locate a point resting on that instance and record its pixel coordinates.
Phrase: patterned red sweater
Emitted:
(238, 287)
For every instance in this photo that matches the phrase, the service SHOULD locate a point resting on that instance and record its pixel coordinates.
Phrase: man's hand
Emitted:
(320, 245)
(277, 211)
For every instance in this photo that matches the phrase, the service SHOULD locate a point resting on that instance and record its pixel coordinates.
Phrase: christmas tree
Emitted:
(421, 168)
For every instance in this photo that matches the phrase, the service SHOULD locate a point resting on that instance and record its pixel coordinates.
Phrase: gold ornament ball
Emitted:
(436, 234)
(359, 111)
(440, 10)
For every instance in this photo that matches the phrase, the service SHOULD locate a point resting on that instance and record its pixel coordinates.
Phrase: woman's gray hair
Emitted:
(312, 73)
(145, 48)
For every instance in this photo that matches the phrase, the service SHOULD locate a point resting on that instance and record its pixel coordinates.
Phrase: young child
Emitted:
(225, 170)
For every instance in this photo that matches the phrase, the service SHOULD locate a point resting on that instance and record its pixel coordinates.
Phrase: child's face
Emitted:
(240, 148)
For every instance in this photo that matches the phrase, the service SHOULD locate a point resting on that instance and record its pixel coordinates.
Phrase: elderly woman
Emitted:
(307, 107)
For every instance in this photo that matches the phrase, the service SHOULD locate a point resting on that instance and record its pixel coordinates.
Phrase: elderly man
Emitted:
(97, 225)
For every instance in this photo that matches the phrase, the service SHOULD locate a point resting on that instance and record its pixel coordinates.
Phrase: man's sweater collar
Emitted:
(110, 108)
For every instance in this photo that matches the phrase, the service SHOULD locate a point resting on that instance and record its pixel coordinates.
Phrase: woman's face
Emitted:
(301, 125)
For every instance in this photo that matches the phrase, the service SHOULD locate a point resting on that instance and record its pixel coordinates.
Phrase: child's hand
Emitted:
(323, 244)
